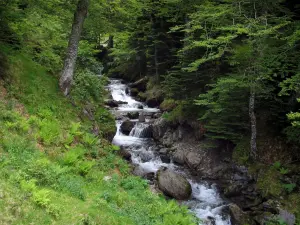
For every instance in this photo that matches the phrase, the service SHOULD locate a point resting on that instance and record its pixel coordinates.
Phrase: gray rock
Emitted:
(139, 171)
(133, 115)
(112, 103)
(163, 151)
(146, 156)
(142, 118)
(239, 217)
(178, 157)
(126, 127)
(160, 127)
(165, 158)
(193, 160)
(174, 185)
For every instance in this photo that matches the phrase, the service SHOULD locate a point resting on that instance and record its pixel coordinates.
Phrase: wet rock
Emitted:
(139, 171)
(153, 102)
(113, 104)
(125, 154)
(232, 190)
(127, 91)
(239, 217)
(133, 115)
(142, 118)
(156, 115)
(211, 221)
(173, 184)
(146, 156)
(160, 127)
(126, 127)
(140, 107)
(193, 160)
(149, 176)
(165, 158)
(163, 151)
(178, 157)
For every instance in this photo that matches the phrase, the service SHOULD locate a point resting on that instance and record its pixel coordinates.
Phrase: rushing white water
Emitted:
(205, 201)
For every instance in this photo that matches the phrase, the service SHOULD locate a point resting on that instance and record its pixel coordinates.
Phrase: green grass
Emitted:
(53, 170)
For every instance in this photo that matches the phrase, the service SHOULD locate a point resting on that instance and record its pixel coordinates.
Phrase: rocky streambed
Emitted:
(152, 160)
(177, 161)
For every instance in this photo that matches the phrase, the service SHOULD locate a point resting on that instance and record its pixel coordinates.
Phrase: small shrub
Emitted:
(42, 199)
(88, 87)
(28, 186)
(84, 167)
(50, 131)
(89, 139)
(289, 187)
(73, 155)
(134, 183)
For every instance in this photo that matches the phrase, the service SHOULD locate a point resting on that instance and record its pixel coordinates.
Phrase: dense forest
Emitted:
(230, 65)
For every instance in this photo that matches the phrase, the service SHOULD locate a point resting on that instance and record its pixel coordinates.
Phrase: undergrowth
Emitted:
(54, 167)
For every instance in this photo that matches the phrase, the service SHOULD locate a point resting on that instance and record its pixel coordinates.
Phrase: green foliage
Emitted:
(88, 87)
(226, 109)
(289, 187)
(168, 105)
(241, 153)
(73, 155)
(49, 131)
(269, 183)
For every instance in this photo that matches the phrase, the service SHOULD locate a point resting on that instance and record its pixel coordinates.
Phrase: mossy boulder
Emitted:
(173, 184)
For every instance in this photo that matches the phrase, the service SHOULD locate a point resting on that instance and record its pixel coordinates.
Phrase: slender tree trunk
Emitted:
(71, 56)
(253, 123)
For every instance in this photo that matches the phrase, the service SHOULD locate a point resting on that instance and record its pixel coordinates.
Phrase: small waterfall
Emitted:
(141, 130)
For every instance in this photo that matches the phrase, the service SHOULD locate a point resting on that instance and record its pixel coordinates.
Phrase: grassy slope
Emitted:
(53, 171)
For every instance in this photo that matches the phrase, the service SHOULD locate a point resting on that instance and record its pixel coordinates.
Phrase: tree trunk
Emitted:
(71, 56)
(253, 124)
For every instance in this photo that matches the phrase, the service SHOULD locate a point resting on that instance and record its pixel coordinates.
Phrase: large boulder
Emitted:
(193, 160)
(153, 102)
(160, 128)
(238, 216)
(173, 184)
(178, 157)
(126, 127)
